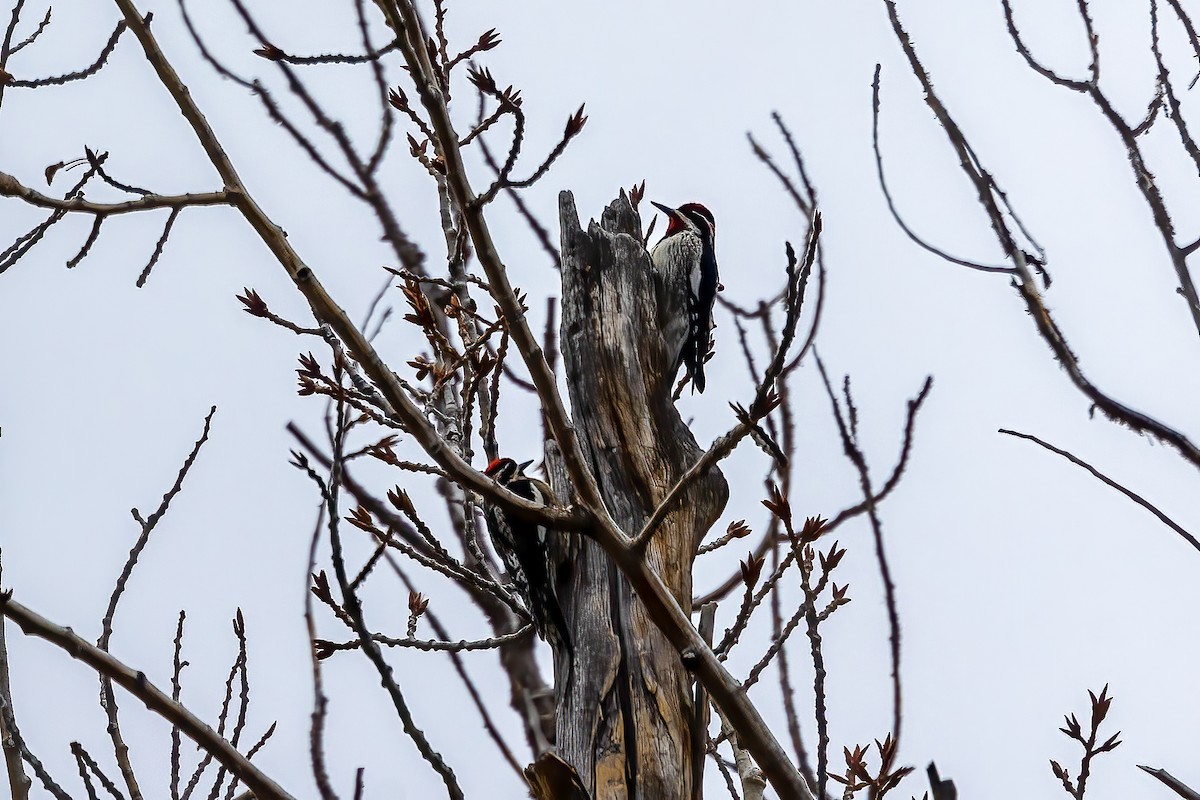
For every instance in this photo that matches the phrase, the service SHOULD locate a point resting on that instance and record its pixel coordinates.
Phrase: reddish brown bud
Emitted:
(309, 366)
(575, 123)
(400, 499)
(417, 603)
(253, 302)
(752, 569)
(738, 529)
(361, 518)
(778, 505)
(270, 52)
(636, 193)
(487, 41)
(813, 528)
(398, 100)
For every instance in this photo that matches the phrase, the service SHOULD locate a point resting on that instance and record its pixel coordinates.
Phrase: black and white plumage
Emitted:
(685, 261)
(524, 548)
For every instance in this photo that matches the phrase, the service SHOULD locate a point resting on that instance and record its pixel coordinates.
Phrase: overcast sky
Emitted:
(1022, 581)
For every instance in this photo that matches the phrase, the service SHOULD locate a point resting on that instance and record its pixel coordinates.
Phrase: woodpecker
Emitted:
(524, 549)
(685, 261)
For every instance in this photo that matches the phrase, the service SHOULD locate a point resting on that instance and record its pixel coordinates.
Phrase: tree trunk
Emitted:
(625, 710)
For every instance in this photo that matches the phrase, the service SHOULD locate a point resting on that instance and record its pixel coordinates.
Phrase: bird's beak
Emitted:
(670, 212)
(521, 467)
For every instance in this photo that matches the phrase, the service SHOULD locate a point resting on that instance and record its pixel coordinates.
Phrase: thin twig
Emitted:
(472, 690)
(239, 630)
(1034, 64)
(327, 648)
(158, 247)
(1091, 744)
(891, 203)
(137, 684)
(107, 698)
(78, 75)
(730, 784)
(86, 248)
(820, 708)
(33, 37)
(855, 455)
(272, 53)
(176, 691)
(262, 740)
(11, 187)
(97, 162)
(539, 231)
(320, 710)
(1024, 282)
(353, 606)
(1176, 785)
(1167, 89)
(18, 780)
(834, 523)
(88, 764)
(222, 722)
(1141, 501)
(85, 774)
(6, 45)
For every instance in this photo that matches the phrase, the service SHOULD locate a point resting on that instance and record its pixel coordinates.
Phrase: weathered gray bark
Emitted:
(623, 717)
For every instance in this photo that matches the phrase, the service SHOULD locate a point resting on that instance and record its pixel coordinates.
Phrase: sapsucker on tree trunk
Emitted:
(524, 548)
(625, 719)
(685, 262)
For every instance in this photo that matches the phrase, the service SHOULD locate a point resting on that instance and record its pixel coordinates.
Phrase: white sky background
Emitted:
(1022, 581)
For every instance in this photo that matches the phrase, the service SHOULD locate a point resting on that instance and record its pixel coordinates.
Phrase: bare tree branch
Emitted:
(1170, 523)
(11, 187)
(78, 75)
(353, 606)
(848, 428)
(273, 53)
(1173, 783)
(32, 37)
(137, 684)
(325, 308)
(326, 648)
(891, 203)
(833, 524)
(107, 699)
(459, 667)
(1091, 744)
(158, 247)
(18, 781)
(1023, 281)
